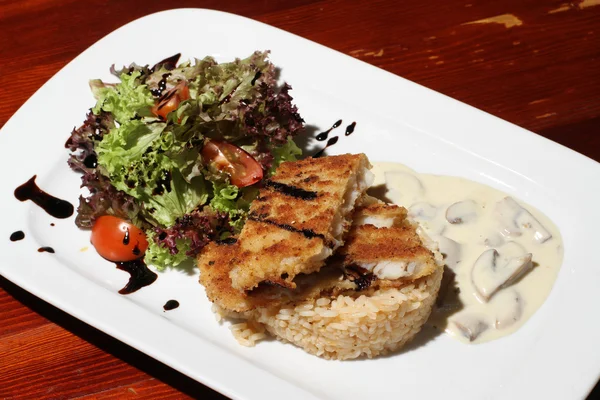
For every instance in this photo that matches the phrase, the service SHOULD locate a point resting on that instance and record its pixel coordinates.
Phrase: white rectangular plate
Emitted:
(555, 355)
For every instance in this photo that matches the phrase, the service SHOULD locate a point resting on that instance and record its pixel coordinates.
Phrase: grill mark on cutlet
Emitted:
(290, 190)
(308, 233)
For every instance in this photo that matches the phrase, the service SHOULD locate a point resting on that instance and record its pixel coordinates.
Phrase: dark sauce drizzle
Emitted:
(258, 75)
(330, 143)
(46, 249)
(323, 135)
(54, 206)
(91, 161)
(226, 99)
(171, 305)
(292, 191)
(140, 275)
(164, 99)
(163, 183)
(162, 85)
(136, 250)
(16, 236)
(350, 128)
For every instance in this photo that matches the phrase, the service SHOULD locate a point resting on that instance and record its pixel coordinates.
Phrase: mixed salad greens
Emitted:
(174, 154)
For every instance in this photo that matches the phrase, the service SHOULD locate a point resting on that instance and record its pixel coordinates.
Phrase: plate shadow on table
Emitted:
(306, 141)
(110, 345)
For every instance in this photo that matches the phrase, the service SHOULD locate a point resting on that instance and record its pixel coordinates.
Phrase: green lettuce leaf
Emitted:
(181, 199)
(160, 256)
(234, 201)
(288, 152)
(124, 100)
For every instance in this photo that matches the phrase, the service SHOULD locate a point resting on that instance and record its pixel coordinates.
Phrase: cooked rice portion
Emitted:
(299, 219)
(355, 325)
(348, 326)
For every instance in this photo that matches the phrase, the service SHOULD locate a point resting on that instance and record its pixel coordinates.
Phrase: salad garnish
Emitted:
(178, 152)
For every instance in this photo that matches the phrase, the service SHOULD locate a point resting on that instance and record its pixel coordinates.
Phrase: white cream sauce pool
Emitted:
(502, 256)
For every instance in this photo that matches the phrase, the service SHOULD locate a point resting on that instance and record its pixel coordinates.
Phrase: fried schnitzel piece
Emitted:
(366, 263)
(299, 219)
(383, 242)
(215, 264)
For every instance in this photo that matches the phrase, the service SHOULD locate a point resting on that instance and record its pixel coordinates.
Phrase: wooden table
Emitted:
(535, 63)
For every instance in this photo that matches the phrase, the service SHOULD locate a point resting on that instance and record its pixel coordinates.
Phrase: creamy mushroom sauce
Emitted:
(502, 256)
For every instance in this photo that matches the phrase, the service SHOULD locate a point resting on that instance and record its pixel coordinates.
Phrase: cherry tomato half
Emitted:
(117, 240)
(170, 101)
(243, 170)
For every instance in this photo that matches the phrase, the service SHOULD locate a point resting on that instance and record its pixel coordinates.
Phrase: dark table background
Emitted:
(535, 63)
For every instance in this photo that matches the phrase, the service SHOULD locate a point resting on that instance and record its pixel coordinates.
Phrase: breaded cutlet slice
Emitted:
(299, 219)
(215, 264)
(383, 242)
(345, 273)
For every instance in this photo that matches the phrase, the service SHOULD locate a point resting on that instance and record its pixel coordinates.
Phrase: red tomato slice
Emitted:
(242, 168)
(117, 240)
(170, 101)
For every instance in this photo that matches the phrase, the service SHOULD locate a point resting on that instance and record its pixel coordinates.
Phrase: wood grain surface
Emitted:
(535, 63)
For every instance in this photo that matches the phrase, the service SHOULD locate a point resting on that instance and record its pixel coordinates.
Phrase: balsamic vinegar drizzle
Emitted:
(350, 128)
(171, 305)
(16, 236)
(162, 85)
(91, 161)
(46, 249)
(323, 135)
(54, 206)
(140, 275)
(136, 250)
(256, 77)
(330, 143)
(163, 183)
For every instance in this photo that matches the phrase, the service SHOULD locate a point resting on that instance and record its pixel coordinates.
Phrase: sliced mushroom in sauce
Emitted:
(470, 326)
(490, 272)
(422, 210)
(462, 212)
(450, 250)
(515, 220)
(509, 305)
